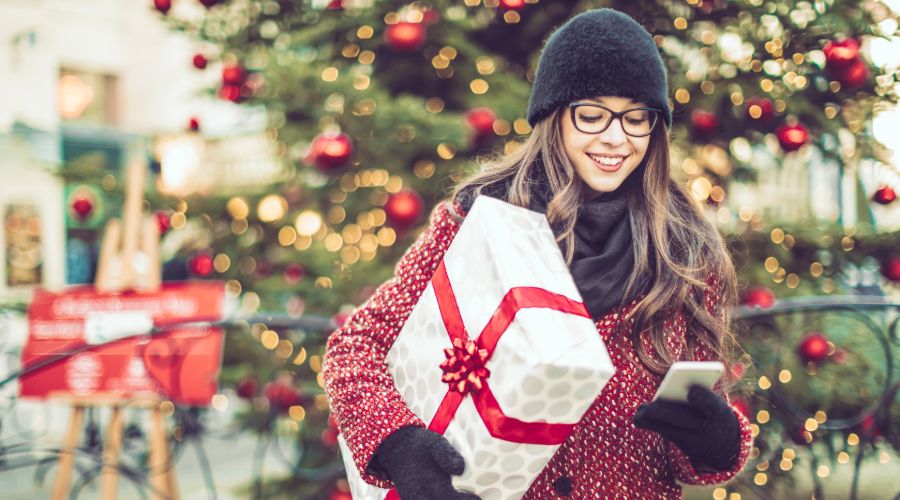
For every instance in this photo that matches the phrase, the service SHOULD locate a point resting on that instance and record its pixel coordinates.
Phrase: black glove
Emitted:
(705, 428)
(420, 463)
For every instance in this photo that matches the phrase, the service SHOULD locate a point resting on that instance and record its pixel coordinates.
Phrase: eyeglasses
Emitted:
(594, 119)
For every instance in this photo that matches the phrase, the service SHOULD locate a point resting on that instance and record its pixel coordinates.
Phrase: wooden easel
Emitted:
(161, 470)
(129, 260)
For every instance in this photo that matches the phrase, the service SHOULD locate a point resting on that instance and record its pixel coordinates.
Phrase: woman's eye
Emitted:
(636, 121)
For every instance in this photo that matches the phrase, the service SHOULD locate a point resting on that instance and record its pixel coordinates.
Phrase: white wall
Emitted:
(158, 86)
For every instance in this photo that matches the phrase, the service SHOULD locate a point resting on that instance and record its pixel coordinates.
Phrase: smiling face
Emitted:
(603, 161)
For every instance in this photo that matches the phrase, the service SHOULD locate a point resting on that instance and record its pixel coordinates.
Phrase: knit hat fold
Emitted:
(601, 52)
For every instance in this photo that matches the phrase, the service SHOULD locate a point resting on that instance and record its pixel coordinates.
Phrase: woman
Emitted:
(653, 273)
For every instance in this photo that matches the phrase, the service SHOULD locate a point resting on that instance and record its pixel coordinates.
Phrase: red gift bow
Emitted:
(497, 423)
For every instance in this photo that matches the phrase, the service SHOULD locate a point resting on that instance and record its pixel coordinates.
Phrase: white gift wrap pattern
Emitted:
(546, 368)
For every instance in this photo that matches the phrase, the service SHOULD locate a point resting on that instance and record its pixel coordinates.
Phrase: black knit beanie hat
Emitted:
(601, 52)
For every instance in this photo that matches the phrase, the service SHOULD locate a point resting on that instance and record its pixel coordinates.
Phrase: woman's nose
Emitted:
(614, 134)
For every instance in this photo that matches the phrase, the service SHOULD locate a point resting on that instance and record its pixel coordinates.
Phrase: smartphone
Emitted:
(683, 374)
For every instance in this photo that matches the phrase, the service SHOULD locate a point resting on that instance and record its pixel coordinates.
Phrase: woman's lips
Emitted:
(607, 163)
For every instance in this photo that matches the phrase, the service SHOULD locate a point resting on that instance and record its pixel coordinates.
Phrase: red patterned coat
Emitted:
(605, 457)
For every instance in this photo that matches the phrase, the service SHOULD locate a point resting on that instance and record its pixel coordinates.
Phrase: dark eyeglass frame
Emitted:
(613, 115)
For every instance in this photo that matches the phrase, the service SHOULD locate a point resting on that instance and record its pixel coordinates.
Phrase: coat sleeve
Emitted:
(684, 470)
(364, 401)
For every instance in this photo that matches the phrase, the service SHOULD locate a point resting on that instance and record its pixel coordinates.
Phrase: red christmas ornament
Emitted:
(891, 269)
(200, 61)
(512, 4)
(281, 395)
(738, 369)
(330, 151)
(209, 3)
(813, 348)
(760, 108)
(234, 74)
(163, 221)
(841, 54)
(404, 209)
(162, 6)
(792, 137)
(405, 37)
(293, 273)
(759, 296)
(82, 207)
(704, 123)
(481, 120)
(853, 77)
(869, 427)
(339, 319)
(801, 436)
(329, 437)
(230, 93)
(884, 195)
(201, 265)
(335, 5)
(247, 387)
(339, 493)
(194, 123)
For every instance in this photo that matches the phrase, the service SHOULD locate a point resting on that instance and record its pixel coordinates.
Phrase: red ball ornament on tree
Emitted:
(841, 54)
(512, 4)
(481, 120)
(869, 427)
(335, 5)
(200, 61)
(293, 273)
(884, 195)
(163, 221)
(234, 74)
(404, 209)
(329, 437)
(853, 77)
(759, 296)
(704, 123)
(891, 269)
(813, 348)
(330, 151)
(82, 207)
(339, 319)
(801, 436)
(282, 395)
(405, 37)
(194, 123)
(792, 137)
(201, 265)
(162, 6)
(760, 108)
(339, 493)
(247, 387)
(230, 93)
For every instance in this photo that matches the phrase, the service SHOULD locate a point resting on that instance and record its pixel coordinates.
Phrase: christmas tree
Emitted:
(377, 108)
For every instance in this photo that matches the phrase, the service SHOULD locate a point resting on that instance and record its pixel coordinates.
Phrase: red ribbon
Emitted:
(497, 423)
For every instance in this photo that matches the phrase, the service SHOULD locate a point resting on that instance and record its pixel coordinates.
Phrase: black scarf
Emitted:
(604, 256)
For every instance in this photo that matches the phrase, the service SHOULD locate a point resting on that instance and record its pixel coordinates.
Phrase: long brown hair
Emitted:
(675, 248)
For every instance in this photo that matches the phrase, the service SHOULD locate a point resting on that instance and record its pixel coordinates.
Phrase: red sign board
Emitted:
(180, 364)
